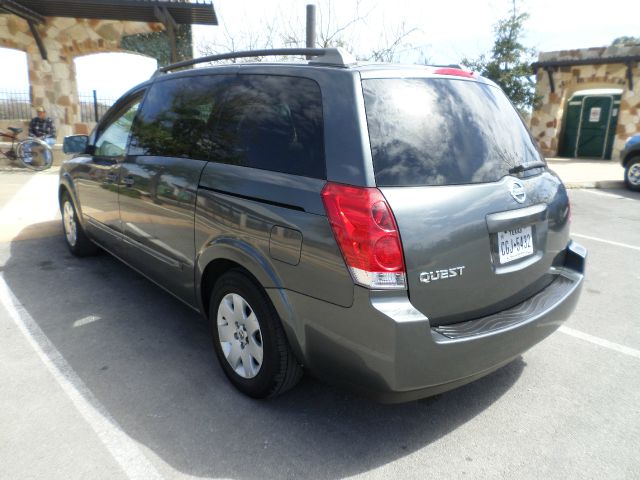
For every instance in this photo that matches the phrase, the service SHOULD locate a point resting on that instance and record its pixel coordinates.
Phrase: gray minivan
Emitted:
(393, 229)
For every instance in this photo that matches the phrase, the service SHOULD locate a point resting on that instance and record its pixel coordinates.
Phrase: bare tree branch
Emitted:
(287, 29)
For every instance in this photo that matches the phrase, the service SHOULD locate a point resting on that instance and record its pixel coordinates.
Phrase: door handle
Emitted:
(111, 177)
(128, 181)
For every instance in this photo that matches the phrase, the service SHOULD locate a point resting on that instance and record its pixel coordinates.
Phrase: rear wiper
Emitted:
(525, 167)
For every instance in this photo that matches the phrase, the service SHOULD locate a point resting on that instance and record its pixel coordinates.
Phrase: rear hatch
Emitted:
(480, 217)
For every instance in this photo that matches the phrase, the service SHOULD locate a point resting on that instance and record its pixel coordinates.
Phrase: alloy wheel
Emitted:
(240, 336)
(634, 174)
(69, 221)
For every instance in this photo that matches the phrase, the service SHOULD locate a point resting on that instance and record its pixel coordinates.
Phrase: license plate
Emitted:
(514, 244)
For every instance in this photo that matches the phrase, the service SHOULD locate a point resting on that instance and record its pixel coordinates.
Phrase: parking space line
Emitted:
(593, 191)
(632, 352)
(122, 448)
(602, 240)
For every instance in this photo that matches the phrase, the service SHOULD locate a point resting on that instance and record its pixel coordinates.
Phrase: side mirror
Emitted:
(75, 144)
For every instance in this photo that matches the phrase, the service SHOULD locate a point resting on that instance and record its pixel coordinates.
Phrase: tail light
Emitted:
(367, 235)
(457, 72)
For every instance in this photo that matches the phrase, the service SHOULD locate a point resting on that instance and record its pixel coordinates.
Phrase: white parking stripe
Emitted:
(602, 240)
(632, 352)
(123, 449)
(594, 191)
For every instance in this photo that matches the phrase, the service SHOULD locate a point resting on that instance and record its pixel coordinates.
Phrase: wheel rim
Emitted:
(69, 222)
(240, 335)
(35, 154)
(634, 174)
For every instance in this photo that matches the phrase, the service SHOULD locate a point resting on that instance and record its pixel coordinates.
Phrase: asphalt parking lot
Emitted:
(103, 375)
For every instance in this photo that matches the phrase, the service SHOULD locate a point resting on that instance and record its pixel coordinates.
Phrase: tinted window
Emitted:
(273, 123)
(112, 141)
(442, 131)
(178, 118)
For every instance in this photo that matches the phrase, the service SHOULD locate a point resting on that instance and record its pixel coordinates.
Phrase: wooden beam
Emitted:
(171, 26)
(21, 11)
(38, 39)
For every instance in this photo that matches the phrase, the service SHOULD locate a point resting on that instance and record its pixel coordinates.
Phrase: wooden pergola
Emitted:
(170, 13)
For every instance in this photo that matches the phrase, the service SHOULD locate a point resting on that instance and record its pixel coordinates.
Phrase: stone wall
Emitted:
(547, 120)
(53, 81)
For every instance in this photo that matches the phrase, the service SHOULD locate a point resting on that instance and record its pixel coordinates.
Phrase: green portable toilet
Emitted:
(590, 123)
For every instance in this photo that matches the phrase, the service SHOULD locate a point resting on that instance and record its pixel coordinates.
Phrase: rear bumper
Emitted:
(385, 348)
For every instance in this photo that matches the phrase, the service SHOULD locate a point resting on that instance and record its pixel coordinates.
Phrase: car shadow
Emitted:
(148, 360)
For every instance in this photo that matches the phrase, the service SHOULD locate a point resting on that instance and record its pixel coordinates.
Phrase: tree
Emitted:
(509, 64)
(626, 41)
(286, 29)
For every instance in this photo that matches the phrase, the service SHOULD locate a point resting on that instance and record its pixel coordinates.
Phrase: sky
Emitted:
(443, 32)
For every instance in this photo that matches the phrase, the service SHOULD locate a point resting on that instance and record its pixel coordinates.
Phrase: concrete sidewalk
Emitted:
(583, 173)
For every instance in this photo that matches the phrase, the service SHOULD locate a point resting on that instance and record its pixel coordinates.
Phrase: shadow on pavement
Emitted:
(147, 358)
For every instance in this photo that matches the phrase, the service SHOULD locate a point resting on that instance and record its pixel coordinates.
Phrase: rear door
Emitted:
(481, 219)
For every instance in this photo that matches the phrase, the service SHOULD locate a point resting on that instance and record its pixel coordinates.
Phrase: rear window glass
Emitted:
(432, 131)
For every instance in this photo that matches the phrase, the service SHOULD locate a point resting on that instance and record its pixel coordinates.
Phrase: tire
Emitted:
(35, 154)
(249, 339)
(632, 174)
(74, 235)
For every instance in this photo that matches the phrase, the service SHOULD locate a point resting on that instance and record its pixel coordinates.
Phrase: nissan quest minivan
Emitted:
(392, 229)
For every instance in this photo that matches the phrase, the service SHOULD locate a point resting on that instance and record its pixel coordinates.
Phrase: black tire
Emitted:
(78, 243)
(279, 369)
(632, 174)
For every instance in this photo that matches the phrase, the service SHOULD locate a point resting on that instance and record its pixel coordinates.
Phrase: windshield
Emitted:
(437, 131)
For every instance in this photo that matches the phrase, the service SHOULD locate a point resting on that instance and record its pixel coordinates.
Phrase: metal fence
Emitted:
(93, 107)
(15, 105)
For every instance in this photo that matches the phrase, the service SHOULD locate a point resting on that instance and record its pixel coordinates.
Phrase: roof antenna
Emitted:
(311, 27)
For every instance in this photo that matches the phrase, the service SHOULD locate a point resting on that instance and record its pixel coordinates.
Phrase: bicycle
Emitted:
(32, 153)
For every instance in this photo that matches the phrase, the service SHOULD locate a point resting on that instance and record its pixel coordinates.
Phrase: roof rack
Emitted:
(322, 56)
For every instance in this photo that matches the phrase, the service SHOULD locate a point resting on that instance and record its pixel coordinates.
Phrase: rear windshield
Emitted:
(436, 131)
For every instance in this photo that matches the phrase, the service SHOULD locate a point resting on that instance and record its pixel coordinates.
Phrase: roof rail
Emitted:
(322, 56)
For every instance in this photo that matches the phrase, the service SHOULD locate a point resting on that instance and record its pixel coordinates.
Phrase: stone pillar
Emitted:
(629, 119)
(546, 120)
(53, 85)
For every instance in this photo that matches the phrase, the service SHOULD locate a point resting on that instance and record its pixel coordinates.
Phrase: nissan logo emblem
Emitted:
(518, 192)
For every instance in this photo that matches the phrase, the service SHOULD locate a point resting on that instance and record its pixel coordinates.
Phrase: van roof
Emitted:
(323, 57)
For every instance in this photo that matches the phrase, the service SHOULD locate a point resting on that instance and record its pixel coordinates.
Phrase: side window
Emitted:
(112, 140)
(272, 123)
(179, 116)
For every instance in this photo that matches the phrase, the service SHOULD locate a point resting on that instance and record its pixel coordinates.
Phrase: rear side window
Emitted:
(178, 118)
(433, 131)
(273, 123)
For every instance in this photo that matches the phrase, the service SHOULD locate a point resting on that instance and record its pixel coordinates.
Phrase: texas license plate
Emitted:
(514, 244)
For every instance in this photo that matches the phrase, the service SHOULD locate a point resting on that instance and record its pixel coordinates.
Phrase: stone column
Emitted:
(53, 85)
(629, 119)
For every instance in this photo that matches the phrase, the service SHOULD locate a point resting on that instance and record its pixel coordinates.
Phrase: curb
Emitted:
(595, 184)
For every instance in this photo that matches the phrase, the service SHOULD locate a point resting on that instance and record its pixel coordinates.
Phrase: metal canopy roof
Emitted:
(182, 12)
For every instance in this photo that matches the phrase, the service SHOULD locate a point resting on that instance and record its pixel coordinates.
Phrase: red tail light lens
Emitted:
(367, 235)
(456, 72)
